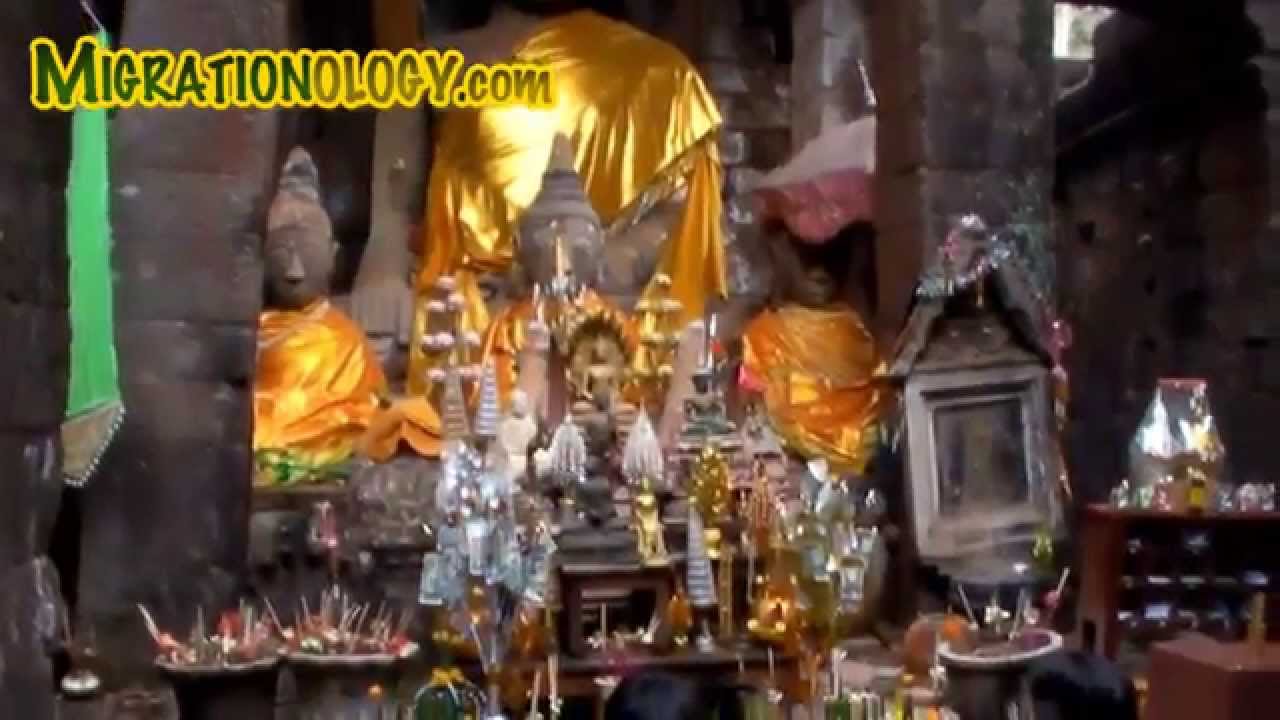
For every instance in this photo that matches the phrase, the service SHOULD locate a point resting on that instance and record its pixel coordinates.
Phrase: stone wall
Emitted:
(35, 150)
(166, 521)
(739, 58)
(826, 83)
(964, 124)
(1167, 241)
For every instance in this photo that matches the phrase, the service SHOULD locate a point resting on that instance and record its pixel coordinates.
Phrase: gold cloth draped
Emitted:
(818, 368)
(642, 123)
(411, 420)
(317, 386)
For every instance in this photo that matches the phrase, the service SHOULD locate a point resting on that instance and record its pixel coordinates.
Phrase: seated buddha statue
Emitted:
(318, 383)
(558, 264)
(643, 131)
(815, 364)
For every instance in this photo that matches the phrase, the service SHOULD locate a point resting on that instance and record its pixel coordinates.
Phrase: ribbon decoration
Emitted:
(94, 408)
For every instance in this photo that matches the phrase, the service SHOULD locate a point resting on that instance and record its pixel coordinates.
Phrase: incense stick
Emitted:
(968, 609)
(150, 624)
(533, 695)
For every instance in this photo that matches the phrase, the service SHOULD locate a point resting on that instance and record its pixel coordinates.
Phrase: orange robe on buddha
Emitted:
(319, 392)
(818, 369)
(318, 383)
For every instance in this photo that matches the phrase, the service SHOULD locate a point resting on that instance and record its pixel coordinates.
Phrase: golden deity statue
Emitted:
(651, 546)
(776, 615)
(712, 494)
(318, 383)
(643, 128)
(816, 364)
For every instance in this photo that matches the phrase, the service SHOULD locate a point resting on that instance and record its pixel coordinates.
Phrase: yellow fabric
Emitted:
(640, 118)
(317, 383)
(506, 336)
(818, 369)
(412, 421)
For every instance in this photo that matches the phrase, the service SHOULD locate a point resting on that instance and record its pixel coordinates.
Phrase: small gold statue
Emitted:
(712, 494)
(650, 544)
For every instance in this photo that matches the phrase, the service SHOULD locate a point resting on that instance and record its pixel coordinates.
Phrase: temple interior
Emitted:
(859, 359)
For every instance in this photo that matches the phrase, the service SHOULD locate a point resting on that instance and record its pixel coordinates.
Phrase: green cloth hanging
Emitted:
(94, 409)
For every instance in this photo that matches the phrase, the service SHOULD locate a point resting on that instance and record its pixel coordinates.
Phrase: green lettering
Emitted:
(296, 78)
(124, 78)
(219, 67)
(154, 70)
(242, 81)
(53, 84)
(190, 85)
(262, 74)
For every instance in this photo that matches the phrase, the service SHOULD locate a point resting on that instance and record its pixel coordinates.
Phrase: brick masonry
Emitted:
(1167, 252)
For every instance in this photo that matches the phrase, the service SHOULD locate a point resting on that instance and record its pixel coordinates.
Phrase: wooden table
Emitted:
(1106, 532)
(576, 580)
(578, 675)
(1195, 677)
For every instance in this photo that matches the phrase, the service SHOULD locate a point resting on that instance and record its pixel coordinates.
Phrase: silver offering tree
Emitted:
(699, 579)
(642, 456)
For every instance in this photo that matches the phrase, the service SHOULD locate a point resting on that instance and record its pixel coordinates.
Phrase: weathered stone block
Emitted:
(1266, 15)
(192, 352)
(168, 528)
(181, 256)
(30, 608)
(1230, 221)
(770, 147)
(33, 393)
(733, 147)
(1234, 154)
(725, 77)
(27, 210)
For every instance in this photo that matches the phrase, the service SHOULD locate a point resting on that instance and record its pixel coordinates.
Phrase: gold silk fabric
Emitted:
(317, 386)
(506, 336)
(411, 421)
(819, 371)
(643, 125)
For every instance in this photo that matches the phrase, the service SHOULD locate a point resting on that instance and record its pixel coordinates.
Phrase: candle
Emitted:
(562, 263)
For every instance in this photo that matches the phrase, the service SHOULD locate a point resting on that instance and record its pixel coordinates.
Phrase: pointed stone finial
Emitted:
(297, 199)
(561, 224)
(299, 175)
(561, 197)
(561, 154)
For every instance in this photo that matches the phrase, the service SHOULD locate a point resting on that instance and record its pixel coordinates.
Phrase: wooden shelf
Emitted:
(1107, 581)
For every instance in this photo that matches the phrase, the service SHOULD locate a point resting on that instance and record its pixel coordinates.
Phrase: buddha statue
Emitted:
(643, 128)
(318, 383)
(558, 262)
(815, 364)
(516, 433)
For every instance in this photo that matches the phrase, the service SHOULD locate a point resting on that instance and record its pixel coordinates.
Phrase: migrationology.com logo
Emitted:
(97, 77)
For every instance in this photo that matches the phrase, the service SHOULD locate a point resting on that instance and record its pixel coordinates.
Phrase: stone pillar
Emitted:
(827, 86)
(166, 522)
(965, 91)
(752, 90)
(33, 386)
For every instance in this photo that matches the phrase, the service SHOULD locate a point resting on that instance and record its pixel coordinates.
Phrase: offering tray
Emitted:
(1022, 649)
(246, 691)
(206, 670)
(352, 660)
(989, 681)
